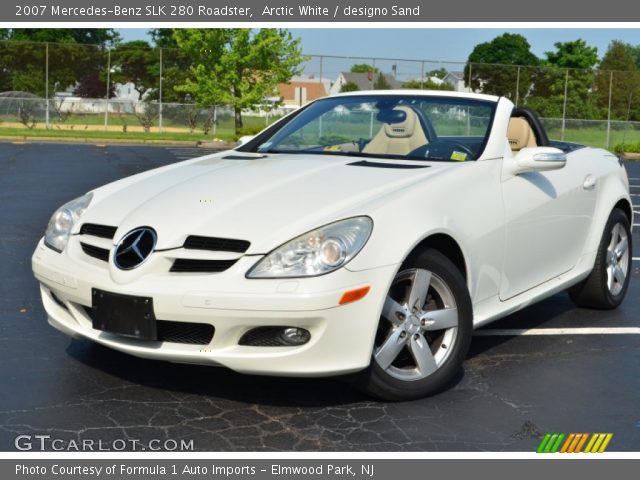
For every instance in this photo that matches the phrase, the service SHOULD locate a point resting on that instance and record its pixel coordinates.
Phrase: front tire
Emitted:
(606, 285)
(424, 331)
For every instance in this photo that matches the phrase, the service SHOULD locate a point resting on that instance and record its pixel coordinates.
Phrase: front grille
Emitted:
(185, 332)
(178, 332)
(183, 265)
(95, 252)
(195, 242)
(103, 231)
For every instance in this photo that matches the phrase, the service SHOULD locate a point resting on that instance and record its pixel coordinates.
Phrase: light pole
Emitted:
(160, 96)
(106, 98)
(46, 84)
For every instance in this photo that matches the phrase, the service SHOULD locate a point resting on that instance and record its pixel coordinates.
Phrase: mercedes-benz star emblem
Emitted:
(134, 248)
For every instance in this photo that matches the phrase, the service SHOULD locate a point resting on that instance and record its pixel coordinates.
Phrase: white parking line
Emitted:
(515, 332)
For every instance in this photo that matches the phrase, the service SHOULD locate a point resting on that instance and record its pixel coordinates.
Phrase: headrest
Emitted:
(404, 128)
(519, 133)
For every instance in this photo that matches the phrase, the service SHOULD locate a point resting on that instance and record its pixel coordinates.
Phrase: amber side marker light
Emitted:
(353, 295)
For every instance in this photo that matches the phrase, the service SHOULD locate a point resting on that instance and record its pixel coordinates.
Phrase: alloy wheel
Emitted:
(419, 325)
(617, 259)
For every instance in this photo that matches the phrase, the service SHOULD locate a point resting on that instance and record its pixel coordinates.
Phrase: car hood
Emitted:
(263, 200)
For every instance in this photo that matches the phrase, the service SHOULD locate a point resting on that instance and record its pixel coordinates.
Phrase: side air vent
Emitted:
(95, 252)
(184, 265)
(243, 157)
(103, 231)
(215, 244)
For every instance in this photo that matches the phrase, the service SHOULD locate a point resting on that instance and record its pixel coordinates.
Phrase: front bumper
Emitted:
(341, 335)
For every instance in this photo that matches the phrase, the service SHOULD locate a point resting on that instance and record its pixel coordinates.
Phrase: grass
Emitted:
(596, 137)
(91, 126)
(176, 120)
(589, 135)
(98, 134)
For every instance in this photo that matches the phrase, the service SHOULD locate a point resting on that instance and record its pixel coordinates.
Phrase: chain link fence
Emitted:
(91, 88)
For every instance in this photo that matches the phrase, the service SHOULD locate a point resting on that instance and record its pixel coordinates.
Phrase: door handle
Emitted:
(589, 182)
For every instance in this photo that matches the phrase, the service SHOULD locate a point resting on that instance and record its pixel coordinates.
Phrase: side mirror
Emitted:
(244, 139)
(539, 159)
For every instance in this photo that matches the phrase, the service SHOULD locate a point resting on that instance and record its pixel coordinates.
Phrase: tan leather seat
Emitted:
(520, 134)
(398, 138)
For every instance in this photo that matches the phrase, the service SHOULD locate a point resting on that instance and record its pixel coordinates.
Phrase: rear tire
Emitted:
(606, 285)
(424, 331)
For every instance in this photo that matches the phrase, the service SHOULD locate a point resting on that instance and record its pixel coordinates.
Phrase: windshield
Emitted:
(407, 127)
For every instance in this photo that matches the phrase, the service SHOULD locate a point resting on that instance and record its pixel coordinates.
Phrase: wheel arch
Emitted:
(624, 205)
(446, 245)
(612, 192)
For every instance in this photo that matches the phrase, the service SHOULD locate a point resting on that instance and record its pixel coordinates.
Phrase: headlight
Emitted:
(63, 220)
(315, 253)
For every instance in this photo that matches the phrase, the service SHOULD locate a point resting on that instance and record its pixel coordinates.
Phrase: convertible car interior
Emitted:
(406, 131)
(399, 138)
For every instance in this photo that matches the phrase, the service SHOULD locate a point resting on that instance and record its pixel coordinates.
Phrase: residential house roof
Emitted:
(314, 90)
(456, 75)
(363, 82)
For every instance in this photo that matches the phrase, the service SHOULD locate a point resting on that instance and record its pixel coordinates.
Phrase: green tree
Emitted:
(74, 54)
(138, 63)
(163, 37)
(635, 51)
(176, 64)
(491, 66)
(381, 82)
(349, 87)
(571, 63)
(240, 67)
(427, 84)
(438, 73)
(618, 70)
(363, 68)
(105, 37)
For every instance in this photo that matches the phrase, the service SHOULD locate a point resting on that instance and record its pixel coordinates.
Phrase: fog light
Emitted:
(295, 336)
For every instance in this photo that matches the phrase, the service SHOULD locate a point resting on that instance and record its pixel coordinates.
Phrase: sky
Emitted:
(436, 46)
(448, 44)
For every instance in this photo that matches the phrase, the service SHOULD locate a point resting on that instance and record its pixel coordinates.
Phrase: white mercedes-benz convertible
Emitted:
(364, 234)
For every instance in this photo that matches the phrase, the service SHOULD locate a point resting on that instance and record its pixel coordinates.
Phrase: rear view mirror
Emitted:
(539, 159)
(391, 116)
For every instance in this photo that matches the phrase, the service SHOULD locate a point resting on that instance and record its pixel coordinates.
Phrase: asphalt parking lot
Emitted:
(514, 387)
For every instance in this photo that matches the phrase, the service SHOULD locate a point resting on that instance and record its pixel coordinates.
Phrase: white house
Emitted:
(124, 100)
(456, 80)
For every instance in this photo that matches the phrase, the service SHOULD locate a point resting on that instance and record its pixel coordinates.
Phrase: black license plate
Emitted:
(126, 315)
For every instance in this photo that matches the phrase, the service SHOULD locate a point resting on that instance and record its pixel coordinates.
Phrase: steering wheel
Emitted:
(441, 149)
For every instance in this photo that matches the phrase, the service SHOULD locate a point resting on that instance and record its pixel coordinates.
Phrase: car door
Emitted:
(547, 215)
